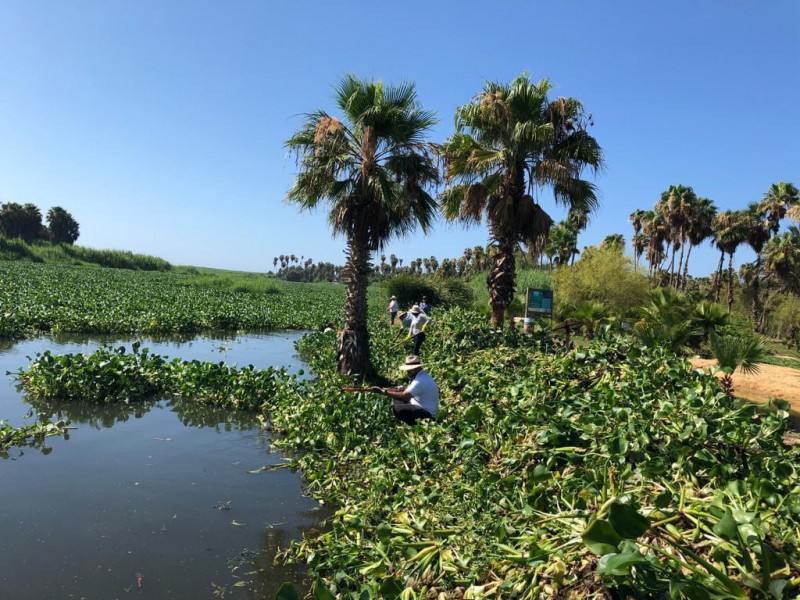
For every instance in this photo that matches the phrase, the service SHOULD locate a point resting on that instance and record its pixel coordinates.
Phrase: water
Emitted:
(150, 500)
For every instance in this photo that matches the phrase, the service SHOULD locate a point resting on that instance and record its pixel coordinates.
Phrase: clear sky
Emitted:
(160, 124)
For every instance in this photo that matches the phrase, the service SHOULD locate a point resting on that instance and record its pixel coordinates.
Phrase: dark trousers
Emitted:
(416, 342)
(411, 415)
(392, 316)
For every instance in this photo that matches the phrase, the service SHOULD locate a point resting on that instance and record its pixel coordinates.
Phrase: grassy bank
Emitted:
(65, 254)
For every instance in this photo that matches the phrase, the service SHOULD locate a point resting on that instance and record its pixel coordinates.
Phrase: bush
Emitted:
(441, 293)
(601, 275)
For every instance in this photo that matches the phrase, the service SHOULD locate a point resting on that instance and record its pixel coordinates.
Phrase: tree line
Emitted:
(681, 220)
(24, 221)
(380, 177)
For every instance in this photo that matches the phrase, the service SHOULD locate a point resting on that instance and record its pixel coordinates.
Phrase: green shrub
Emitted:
(783, 314)
(441, 293)
(604, 276)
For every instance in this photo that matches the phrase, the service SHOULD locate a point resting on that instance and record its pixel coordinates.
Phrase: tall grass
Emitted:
(48, 252)
(526, 278)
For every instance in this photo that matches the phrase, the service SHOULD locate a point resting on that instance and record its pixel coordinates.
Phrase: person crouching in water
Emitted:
(416, 321)
(420, 398)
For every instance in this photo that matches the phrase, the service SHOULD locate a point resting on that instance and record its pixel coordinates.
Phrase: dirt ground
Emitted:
(770, 382)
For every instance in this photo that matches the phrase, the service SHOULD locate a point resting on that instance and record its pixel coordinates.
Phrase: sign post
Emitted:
(538, 303)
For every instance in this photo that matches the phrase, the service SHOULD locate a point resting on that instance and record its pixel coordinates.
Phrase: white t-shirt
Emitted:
(393, 306)
(416, 322)
(424, 393)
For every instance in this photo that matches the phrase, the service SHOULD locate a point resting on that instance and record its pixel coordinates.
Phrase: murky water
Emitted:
(148, 500)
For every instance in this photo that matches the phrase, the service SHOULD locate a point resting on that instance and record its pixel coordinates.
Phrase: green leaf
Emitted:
(627, 522)
(320, 592)
(391, 588)
(287, 592)
(619, 564)
(601, 538)
(474, 414)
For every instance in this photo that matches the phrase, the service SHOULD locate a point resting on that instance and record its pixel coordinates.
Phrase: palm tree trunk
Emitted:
(755, 307)
(501, 282)
(679, 279)
(718, 277)
(730, 282)
(686, 267)
(352, 356)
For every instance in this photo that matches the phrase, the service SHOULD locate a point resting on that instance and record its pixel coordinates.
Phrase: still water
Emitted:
(150, 500)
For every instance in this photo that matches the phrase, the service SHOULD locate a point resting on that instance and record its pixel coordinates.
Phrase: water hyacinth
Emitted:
(610, 470)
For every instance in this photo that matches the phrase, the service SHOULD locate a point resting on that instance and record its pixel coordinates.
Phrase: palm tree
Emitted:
(677, 201)
(61, 226)
(794, 213)
(730, 230)
(777, 201)
(508, 140)
(758, 234)
(614, 241)
(700, 229)
(561, 244)
(372, 167)
(590, 315)
(782, 260)
(733, 353)
(655, 231)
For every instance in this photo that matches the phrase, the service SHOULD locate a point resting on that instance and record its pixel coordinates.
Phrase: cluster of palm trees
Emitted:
(472, 261)
(682, 220)
(379, 175)
(304, 269)
(24, 221)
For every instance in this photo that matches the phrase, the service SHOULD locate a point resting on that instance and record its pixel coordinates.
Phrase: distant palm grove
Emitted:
(379, 176)
(25, 222)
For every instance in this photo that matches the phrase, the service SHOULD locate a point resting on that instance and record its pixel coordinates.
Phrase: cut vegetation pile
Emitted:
(610, 470)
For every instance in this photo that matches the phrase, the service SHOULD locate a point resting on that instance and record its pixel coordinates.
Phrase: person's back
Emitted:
(425, 392)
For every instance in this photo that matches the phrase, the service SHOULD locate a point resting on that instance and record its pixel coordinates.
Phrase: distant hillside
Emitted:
(48, 252)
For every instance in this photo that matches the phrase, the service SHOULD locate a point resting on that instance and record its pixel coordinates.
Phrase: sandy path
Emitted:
(770, 382)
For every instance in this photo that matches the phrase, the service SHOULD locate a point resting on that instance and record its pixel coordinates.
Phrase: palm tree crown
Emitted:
(509, 140)
(373, 167)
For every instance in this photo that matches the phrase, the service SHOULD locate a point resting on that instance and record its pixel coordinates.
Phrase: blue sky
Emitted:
(160, 124)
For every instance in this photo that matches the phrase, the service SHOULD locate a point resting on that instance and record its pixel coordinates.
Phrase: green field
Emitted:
(41, 298)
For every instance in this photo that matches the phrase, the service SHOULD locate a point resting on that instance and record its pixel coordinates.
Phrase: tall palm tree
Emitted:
(561, 244)
(372, 167)
(782, 260)
(614, 241)
(655, 231)
(794, 213)
(758, 234)
(700, 229)
(676, 205)
(777, 201)
(509, 140)
(730, 231)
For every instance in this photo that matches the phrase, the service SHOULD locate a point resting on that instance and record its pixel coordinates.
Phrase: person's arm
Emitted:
(394, 394)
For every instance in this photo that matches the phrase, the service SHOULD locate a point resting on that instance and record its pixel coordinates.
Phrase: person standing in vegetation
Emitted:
(416, 321)
(424, 306)
(420, 398)
(393, 308)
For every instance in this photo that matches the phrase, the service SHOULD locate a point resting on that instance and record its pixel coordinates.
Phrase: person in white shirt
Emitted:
(393, 308)
(420, 398)
(416, 321)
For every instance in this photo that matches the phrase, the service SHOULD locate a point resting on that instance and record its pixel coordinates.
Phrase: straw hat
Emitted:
(415, 310)
(394, 298)
(412, 362)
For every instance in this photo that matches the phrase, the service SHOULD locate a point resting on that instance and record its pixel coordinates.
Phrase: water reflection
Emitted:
(105, 416)
(134, 489)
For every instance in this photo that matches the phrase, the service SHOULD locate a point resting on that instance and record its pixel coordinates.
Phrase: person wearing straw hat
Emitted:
(393, 308)
(420, 398)
(416, 321)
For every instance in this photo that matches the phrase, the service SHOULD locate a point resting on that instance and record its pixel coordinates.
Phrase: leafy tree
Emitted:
(21, 221)
(510, 139)
(62, 228)
(372, 167)
(600, 275)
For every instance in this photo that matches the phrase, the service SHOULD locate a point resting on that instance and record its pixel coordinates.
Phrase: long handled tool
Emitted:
(354, 390)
